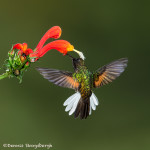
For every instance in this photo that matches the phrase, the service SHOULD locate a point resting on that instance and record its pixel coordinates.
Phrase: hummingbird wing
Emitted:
(58, 77)
(110, 72)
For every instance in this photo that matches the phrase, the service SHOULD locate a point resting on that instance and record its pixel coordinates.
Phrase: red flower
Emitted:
(23, 49)
(54, 32)
(60, 45)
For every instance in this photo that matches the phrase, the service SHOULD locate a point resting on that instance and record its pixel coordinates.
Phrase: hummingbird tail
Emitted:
(93, 102)
(72, 103)
(75, 104)
(83, 109)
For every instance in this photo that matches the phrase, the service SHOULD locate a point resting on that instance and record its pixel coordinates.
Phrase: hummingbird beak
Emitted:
(70, 56)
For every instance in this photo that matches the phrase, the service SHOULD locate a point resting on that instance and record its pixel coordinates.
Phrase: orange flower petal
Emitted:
(54, 32)
(18, 46)
(24, 47)
(60, 45)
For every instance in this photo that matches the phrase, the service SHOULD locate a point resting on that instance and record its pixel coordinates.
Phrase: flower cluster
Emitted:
(20, 56)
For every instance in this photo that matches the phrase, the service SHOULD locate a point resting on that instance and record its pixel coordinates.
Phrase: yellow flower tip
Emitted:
(70, 48)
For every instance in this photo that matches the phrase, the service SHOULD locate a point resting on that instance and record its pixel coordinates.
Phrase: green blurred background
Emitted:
(33, 112)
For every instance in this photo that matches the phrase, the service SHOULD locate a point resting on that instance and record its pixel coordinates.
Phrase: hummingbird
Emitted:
(83, 82)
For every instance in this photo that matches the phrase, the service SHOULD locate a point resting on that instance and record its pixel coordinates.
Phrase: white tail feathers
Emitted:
(72, 102)
(93, 103)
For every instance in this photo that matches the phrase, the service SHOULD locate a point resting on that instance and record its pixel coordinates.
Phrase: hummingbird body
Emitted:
(83, 81)
(84, 78)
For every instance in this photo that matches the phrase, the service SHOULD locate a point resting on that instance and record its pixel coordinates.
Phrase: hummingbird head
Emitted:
(76, 61)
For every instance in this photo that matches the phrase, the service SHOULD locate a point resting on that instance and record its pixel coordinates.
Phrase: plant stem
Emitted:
(4, 75)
